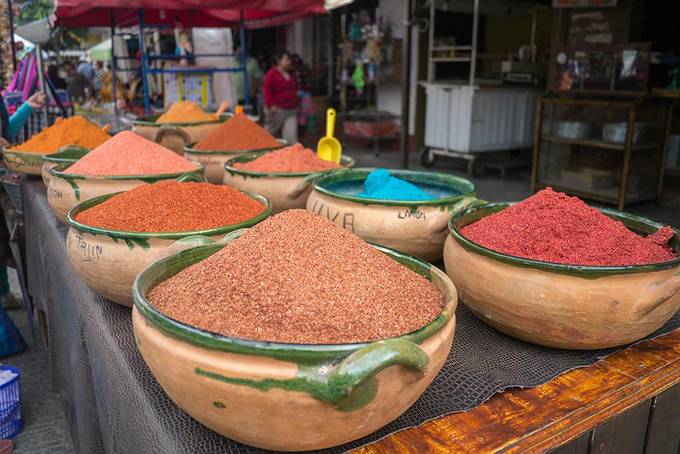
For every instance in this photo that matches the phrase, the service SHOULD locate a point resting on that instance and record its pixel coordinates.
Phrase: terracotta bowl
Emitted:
(214, 160)
(414, 227)
(562, 306)
(176, 136)
(66, 156)
(23, 162)
(110, 260)
(288, 396)
(65, 190)
(285, 190)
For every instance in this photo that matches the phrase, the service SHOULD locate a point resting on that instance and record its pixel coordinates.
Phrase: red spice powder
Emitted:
(295, 158)
(298, 277)
(238, 133)
(169, 206)
(553, 227)
(127, 153)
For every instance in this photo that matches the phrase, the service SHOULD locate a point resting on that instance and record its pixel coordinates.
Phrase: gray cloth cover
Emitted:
(114, 404)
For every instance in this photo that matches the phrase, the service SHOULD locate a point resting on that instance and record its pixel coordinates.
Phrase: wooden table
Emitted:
(629, 402)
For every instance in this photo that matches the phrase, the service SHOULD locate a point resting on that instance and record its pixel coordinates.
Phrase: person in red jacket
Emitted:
(281, 99)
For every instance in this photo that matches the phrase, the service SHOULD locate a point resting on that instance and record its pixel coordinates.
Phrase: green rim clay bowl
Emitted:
(23, 162)
(214, 160)
(414, 227)
(65, 190)
(248, 390)
(285, 190)
(65, 156)
(176, 136)
(563, 306)
(110, 260)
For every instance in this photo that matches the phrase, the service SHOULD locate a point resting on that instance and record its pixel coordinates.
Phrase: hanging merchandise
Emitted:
(359, 78)
(373, 51)
(354, 29)
(344, 76)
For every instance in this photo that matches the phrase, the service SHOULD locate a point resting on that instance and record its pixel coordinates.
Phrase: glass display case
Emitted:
(605, 150)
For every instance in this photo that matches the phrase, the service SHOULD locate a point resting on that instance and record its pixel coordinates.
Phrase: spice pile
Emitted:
(70, 131)
(553, 227)
(170, 206)
(238, 133)
(297, 277)
(185, 112)
(381, 185)
(295, 158)
(126, 153)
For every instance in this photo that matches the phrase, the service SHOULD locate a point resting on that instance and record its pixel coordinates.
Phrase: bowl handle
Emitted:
(300, 188)
(458, 207)
(193, 241)
(172, 130)
(191, 177)
(364, 364)
(657, 294)
(73, 148)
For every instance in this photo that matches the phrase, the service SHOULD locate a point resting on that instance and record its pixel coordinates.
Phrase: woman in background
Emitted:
(281, 99)
(9, 127)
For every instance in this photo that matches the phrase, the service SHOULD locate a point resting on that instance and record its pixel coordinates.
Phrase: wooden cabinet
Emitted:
(607, 150)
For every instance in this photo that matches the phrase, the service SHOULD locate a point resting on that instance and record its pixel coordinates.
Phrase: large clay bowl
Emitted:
(416, 228)
(288, 396)
(23, 162)
(66, 156)
(285, 190)
(110, 260)
(213, 161)
(66, 190)
(176, 136)
(562, 306)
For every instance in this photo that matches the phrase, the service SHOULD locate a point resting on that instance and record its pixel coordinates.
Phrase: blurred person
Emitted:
(254, 78)
(56, 80)
(77, 85)
(281, 99)
(9, 127)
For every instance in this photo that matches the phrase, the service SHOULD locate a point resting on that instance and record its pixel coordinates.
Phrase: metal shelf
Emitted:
(450, 59)
(601, 195)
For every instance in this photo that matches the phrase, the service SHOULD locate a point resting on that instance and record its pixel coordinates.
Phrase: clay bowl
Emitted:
(414, 227)
(65, 190)
(110, 260)
(176, 136)
(214, 160)
(23, 162)
(285, 190)
(65, 156)
(562, 306)
(288, 396)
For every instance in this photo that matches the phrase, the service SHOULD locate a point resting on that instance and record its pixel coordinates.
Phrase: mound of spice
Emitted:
(295, 158)
(381, 185)
(170, 206)
(185, 112)
(297, 277)
(74, 130)
(238, 133)
(127, 153)
(553, 227)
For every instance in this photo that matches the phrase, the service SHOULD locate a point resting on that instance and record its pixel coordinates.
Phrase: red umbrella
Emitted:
(189, 13)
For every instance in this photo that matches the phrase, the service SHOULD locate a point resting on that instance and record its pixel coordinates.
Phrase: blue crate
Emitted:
(10, 405)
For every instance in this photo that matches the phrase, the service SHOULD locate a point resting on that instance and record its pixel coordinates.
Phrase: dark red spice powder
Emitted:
(169, 206)
(553, 227)
(298, 277)
(295, 158)
(238, 133)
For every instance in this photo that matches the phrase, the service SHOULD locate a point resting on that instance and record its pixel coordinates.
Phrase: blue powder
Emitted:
(381, 185)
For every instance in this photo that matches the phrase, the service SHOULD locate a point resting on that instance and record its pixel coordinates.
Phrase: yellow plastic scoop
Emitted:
(238, 109)
(329, 148)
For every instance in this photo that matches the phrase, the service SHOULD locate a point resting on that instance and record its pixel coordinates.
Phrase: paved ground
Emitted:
(45, 430)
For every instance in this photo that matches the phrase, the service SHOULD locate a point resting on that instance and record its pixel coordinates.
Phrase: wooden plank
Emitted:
(577, 446)
(554, 413)
(624, 433)
(663, 433)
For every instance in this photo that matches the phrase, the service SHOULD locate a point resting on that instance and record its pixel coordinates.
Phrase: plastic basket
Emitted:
(10, 404)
